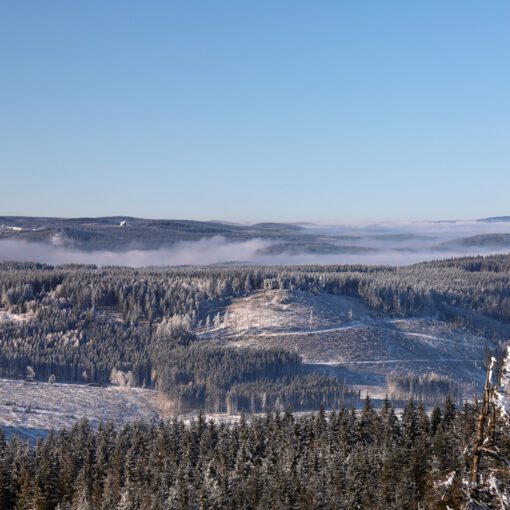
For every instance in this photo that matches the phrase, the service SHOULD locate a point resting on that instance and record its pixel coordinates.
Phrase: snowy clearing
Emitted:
(18, 317)
(279, 311)
(335, 331)
(31, 409)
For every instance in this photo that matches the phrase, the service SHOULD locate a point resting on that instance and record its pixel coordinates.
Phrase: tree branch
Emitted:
(495, 455)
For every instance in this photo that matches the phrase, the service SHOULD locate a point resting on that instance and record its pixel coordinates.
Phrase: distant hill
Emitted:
(384, 243)
(479, 241)
(316, 248)
(496, 219)
(121, 232)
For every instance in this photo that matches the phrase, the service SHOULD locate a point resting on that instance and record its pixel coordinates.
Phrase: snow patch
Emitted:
(43, 406)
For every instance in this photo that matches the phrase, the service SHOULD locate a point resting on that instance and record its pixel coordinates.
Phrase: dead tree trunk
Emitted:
(481, 426)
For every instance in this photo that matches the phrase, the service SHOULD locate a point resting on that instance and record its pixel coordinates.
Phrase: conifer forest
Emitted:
(301, 433)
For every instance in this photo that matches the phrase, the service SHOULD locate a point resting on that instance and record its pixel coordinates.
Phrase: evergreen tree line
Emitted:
(345, 459)
(478, 285)
(222, 379)
(431, 388)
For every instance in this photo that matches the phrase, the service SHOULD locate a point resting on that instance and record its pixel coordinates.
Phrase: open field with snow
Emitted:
(31, 409)
(273, 312)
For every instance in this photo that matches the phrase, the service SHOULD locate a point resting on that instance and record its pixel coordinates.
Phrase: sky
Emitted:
(325, 111)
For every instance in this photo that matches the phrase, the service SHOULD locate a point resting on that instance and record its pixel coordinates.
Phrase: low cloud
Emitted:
(203, 252)
(386, 243)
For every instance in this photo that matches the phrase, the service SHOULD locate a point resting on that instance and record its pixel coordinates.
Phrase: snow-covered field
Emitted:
(31, 409)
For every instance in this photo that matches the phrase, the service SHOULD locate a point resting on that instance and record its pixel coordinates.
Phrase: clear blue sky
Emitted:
(255, 110)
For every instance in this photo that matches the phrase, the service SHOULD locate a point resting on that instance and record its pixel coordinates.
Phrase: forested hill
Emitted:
(81, 322)
(275, 242)
(118, 233)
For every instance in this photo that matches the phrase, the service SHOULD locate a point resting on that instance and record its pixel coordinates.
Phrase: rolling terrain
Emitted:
(128, 241)
(235, 339)
(339, 334)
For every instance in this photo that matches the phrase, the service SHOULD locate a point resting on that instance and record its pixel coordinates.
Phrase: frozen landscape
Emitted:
(340, 335)
(254, 255)
(230, 343)
(333, 334)
(31, 409)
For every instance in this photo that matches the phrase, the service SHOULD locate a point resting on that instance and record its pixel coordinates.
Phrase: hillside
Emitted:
(232, 339)
(344, 335)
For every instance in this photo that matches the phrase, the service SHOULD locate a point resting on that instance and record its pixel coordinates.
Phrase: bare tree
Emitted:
(492, 423)
(30, 376)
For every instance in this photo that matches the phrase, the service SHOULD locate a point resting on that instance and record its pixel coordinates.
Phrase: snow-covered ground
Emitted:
(340, 332)
(31, 409)
(17, 317)
(280, 311)
(333, 334)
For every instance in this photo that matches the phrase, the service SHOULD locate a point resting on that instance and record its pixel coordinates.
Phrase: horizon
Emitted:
(365, 223)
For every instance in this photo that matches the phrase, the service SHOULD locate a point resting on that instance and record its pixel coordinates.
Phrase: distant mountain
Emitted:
(374, 243)
(399, 237)
(315, 248)
(119, 233)
(479, 241)
(496, 219)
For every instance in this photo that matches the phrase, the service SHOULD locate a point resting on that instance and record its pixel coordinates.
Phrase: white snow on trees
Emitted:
(503, 391)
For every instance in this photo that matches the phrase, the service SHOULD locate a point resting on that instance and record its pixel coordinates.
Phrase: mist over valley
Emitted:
(135, 242)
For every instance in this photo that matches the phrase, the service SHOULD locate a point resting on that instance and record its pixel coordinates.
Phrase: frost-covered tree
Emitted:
(120, 378)
(502, 392)
(489, 482)
(30, 373)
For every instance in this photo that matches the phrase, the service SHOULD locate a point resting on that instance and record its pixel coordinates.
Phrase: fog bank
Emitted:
(383, 243)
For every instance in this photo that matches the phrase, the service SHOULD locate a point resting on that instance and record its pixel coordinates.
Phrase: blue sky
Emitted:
(319, 111)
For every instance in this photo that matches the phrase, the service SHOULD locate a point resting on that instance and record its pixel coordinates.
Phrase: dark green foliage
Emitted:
(340, 460)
